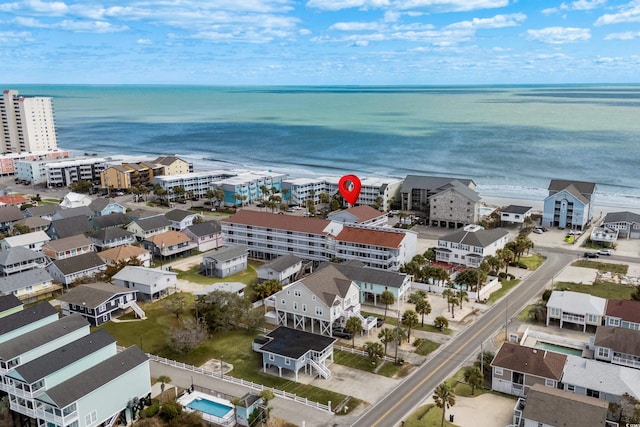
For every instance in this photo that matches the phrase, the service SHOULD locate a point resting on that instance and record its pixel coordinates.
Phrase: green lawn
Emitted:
(506, 287)
(532, 262)
(602, 266)
(248, 277)
(602, 290)
(427, 416)
(426, 346)
(393, 321)
(363, 363)
(460, 388)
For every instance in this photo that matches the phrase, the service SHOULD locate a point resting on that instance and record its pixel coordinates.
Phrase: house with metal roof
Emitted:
(17, 259)
(180, 219)
(148, 227)
(126, 253)
(67, 247)
(623, 313)
(30, 285)
(33, 241)
(151, 283)
(515, 214)
(27, 319)
(207, 235)
(111, 238)
(469, 246)
(78, 267)
(617, 345)
(285, 269)
(627, 224)
(516, 368)
(74, 200)
(225, 261)
(577, 308)
(568, 204)
(363, 215)
(99, 302)
(294, 350)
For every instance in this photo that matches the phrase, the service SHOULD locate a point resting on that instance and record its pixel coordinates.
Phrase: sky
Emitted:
(319, 42)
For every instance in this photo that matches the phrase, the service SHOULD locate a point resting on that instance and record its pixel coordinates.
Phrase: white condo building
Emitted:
(28, 123)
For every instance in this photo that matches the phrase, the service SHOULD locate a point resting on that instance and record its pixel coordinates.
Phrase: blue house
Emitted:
(568, 204)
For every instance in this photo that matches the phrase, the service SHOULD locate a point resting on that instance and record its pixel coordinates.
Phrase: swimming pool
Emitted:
(484, 211)
(209, 407)
(558, 348)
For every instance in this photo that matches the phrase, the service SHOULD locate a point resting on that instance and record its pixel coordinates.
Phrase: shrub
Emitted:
(417, 342)
(152, 410)
(170, 410)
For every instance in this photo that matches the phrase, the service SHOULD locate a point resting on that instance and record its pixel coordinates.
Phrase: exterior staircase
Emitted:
(322, 370)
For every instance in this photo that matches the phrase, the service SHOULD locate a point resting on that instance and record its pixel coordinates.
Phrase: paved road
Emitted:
(412, 392)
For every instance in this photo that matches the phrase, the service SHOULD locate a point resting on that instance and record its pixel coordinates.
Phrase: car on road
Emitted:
(575, 232)
(341, 333)
(604, 252)
(591, 255)
(538, 231)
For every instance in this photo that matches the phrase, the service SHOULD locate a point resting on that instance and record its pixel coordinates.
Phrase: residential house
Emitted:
(8, 217)
(78, 211)
(151, 283)
(14, 200)
(248, 403)
(67, 227)
(627, 224)
(15, 260)
(601, 380)
(9, 304)
(74, 200)
(363, 215)
(373, 282)
(603, 235)
(140, 213)
(576, 308)
(515, 214)
(99, 302)
(454, 206)
(129, 175)
(78, 267)
(623, 313)
(34, 223)
(67, 247)
(225, 261)
(548, 407)
(180, 219)
(99, 394)
(317, 301)
(107, 238)
(470, 245)
(270, 235)
(231, 287)
(30, 285)
(41, 211)
(417, 189)
(112, 220)
(207, 235)
(104, 206)
(516, 368)
(27, 319)
(147, 227)
(568, 204)
(617, 345)
(169, 244)
(33, 241)
(285, 269)
(295, 350)
(173, 165)
(124, 254)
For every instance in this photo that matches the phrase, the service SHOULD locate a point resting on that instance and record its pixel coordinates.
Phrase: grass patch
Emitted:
(532, 262)
(425, 346)
(427, 416)
(602, 266)
(353, 360)
(248, 277)
(462, 389)
(602, 290)
(507, 285)
(393, 321)
(523, 316)
(390, 370)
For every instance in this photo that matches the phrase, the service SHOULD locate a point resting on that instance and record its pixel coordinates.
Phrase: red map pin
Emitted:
(349, 187)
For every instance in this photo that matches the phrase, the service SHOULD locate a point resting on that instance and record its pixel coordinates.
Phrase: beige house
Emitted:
(68, 247)
(454, 206)
(173, 165)
(124, 254)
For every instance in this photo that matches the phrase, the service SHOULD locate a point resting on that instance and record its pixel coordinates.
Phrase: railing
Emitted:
(361, 352)
(573, 318)
(323, 370)
(239, 381)
(626, 361)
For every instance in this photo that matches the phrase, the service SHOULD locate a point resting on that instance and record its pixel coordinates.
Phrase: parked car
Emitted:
(591, 255)
(379, 322)
(341, 333)
(604, 252)
(575, 232)
(538, 231)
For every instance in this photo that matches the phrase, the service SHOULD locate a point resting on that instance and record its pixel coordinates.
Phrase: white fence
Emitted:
(239, 381)
(361, 352)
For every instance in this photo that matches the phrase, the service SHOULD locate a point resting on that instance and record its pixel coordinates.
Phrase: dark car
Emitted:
(341, 333)
(591, 255)
(379, 322)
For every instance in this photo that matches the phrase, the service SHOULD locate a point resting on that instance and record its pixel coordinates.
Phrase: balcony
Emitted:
(626, 360)
(573, 318)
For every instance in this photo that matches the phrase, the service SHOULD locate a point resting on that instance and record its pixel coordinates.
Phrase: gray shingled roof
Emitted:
(107, 234)
(177, 214)
(26, 316)
(98, 204)
(629, 217)
(138, 214)
(583, 187)
(93, 295)
(21, 280)
(115, 219)
(42, 210)
(226, 253)
(328, 283)
(7, 302)
(480, 238)
(281, 263)
(516, 209)
(372, 275)
(153, 222)
(429, 182)
(555, 407)
(145, 275)
(460, 188)
(295, 343)
(73, 212)
(17, 255)
(10, 214)
(38, 337)
(93, 378)
(61, 357)
(620, 340)
(205, 228)
(69, 227)
(71, 242)
(79, 263)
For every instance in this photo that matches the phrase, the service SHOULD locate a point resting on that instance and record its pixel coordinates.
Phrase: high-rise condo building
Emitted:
(27, 123)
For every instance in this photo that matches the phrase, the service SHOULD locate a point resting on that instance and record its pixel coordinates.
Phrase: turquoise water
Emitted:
(558, 348)
(511, 140)
(209, 407)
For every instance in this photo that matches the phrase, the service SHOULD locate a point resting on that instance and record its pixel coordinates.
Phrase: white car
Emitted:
(538, 231)
(604, 252)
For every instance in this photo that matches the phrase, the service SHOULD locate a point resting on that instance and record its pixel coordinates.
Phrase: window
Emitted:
(295, 305)
(549, 383)
(593, 393)
(613, 321)
(498, 371)
(571, 387)
(603, 352)
(283, 302)
(592, 318)
(297, 293)
(304, 308)
(91, 418)
(287, 361)
(272, 357)
(319, 311)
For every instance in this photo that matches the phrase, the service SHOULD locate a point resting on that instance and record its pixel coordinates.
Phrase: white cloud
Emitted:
(71, 25)
(439, 5)
(304, 32)
(347, 4)
(550, 11)
(628, 35)
(144, 41)
(355, 26)
(627, 13)
(13, 36)
(559, 35)
(583, 5)
(498, 21)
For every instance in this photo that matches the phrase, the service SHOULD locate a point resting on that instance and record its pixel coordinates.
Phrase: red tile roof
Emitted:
(532, 361)
(278, 222)
(13, 200)
(624, 309)
(372, 237)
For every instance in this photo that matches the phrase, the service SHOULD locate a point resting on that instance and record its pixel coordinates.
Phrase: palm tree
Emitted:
(387, 298)
(474, 377)
(462, 295)
(218, 194)
(353, 326)
(386, 336)
(441, 322)
(210, 195)
(444, 398)
(447, 294)
(494, 262)
(538, 311)
(286, 193)
(265, 191)
(423, 308)
(143, 190)
(374, 351)
(163, 380)
(179, 191)
(410, 320)
(453, 300)
(418, 295)
(506, 256)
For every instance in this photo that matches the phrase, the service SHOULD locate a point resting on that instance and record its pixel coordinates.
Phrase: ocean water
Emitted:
(511, 140)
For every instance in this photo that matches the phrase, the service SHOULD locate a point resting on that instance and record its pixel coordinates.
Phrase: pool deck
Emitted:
(187, 398)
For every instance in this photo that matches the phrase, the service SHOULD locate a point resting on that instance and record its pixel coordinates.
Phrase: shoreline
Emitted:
(598, 210)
